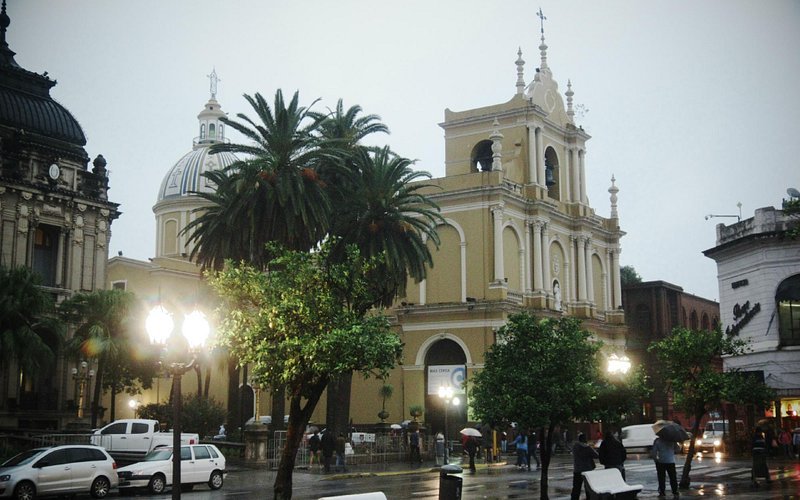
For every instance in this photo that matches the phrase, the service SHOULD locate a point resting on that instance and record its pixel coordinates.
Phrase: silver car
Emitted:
(200, 464)
(58, 470)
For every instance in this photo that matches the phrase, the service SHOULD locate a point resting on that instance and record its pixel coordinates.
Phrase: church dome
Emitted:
(185, 177)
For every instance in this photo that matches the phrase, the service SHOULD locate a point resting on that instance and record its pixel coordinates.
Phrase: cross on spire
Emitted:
(542, 18)
(214, 79)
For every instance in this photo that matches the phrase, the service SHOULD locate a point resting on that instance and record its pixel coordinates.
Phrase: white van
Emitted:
(638, 437)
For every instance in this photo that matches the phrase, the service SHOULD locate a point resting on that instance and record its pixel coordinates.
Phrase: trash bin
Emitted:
(450, 485)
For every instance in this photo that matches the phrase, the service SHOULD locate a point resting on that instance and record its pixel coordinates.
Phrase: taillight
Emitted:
(114, 465)
(191, 441)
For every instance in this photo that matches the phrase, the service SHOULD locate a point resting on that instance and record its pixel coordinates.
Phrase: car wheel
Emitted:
(215, 481)
(157, 484)
(100, 487)
(25, 491)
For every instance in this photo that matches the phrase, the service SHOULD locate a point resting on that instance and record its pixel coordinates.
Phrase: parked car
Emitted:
(200, 463)
(132, 438)
(714, 434)
(58, 470)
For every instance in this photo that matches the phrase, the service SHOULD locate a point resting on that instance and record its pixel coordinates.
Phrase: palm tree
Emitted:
(101, 332)
(381, 210)
(25, 317)
(276, 194)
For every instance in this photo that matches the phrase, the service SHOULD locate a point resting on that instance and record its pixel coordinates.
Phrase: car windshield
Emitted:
(23, 458)
(158, 454)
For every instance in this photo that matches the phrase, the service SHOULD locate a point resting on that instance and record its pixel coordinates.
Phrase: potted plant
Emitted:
(385, 393)
(416, 412)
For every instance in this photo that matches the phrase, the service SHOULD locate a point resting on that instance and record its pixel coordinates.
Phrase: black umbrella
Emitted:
(670, 431)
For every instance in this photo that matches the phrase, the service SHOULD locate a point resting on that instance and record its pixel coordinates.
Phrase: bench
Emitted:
(608, 483)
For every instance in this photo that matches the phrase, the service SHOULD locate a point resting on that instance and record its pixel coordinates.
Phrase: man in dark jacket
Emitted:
(471, 447)
(583, 457)
(328, 443)
(612, 453)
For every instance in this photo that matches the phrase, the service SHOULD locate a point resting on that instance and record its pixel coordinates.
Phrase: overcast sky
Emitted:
(692, 105)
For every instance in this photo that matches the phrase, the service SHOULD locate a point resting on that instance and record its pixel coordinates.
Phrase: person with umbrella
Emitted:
(760, 468)
(471, 447)
(664, 448)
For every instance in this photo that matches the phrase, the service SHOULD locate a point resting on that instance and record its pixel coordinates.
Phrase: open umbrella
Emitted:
(670, 431)
(469, 431)
(396, 426)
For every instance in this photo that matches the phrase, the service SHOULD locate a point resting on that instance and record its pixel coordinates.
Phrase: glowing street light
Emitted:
(620, 365)
(195, 330)
(446, 394)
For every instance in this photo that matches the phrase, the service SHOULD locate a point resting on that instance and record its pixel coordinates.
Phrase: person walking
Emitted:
(583, 457)
(533, 448)
(663, 453)
(471, 447)
(612, 453)
(521, 442)
(328, 445)
(796, 442)
(313, 449)
(785, 440)
(759, 451)
(341, 465)
(413, 444)
(439, 449)
(487, 441)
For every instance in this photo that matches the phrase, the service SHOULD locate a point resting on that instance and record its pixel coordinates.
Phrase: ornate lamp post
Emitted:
(446, 394)
(195, 330)
(81, 377)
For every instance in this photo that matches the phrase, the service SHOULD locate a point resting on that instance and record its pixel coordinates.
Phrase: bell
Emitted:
(548, 176)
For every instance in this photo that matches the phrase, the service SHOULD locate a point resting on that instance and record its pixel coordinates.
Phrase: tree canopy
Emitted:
(296, 325)
(540, 373)
(629, 276)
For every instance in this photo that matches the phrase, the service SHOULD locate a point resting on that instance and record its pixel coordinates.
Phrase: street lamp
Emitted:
(81, 377)
(195, 330)
(617, 364)
(446, 393)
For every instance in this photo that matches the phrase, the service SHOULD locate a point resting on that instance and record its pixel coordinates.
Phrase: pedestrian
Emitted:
(314, 444)
(504, 442)
(583, 457)
(760, 468)
(521, 442)
(612, 453)
(663, 453)
(413, 443)
(340, 446)
(796, 441)
(785, 441)
(533, 449)
(471, 447)
(221, 434)
(328, 445)
(487, 440)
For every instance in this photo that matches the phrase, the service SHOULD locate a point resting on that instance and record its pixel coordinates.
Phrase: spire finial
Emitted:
(543, 46)
(542, 18)
(520, 72)
(6, 54)
(613, 190)
(569, 93)
(214, 80)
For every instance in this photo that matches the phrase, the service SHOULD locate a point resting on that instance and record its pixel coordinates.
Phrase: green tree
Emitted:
(540, 373)
(102, 332)
(629, 276)
(296, 328)
(200, 415)
(791, 207)
(696, 385)
(26, 318)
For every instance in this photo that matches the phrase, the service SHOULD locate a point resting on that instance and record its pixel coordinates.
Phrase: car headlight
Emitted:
(717, 442)
(699, 442)
(5, 477)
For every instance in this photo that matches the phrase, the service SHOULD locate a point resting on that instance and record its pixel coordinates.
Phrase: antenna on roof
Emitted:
(738, 217)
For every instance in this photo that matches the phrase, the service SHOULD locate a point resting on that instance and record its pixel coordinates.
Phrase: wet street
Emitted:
(730, 479)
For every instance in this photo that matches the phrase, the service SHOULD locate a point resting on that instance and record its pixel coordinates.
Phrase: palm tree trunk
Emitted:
(199, 376)
(98, 386)
(338, 407)
(207, 383)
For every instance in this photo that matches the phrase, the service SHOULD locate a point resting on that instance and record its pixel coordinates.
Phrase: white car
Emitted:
(58, 470)
(200, 463)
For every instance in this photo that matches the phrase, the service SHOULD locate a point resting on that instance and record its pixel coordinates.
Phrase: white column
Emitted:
(463, 271)
(573, 289)
(615, 276)
(537, 255)
(528, 256)
(581, 255)
(63, 240)
(582, 164)
(546, 261)
(532, 149)
(575, 175)
(423, 289)
(608, 278)
(567, 171)
(499, 272)
(589, 272)
(540, 158)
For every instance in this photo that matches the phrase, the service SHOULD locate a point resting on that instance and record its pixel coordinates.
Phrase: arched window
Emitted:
(212, 132)
(202, 131)
(221, 132)
(551, 173)
(694, 323)
(481, 158)
(788, 299)
(705, 323)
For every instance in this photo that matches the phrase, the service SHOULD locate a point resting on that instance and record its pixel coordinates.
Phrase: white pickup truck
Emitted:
(133, 438)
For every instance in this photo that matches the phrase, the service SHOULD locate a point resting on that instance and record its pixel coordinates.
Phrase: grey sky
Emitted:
(692, 105)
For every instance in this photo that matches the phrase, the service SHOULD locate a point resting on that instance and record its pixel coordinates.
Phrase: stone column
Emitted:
(540, 158)
(589, 272)
(537, 255)
(532, 158)
(576, 177)
(546, 260)
(529, 256)
(615, 277)
(581, 255)
(572, 268)
(499, 271)
(582, 165)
